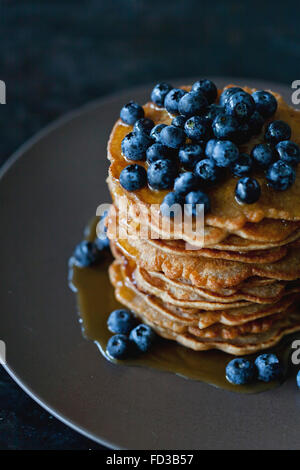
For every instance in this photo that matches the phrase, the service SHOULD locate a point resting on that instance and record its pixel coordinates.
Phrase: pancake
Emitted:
(237, 288)
(268, 232)
(252, 339)
(207, 272)
(226, 212)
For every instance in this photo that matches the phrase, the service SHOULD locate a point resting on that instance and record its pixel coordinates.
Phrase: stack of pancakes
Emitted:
(239, 290)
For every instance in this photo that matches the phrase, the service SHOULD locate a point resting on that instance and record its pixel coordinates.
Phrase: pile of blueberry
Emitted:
(88, 253)
(202, 144)
(130, 339)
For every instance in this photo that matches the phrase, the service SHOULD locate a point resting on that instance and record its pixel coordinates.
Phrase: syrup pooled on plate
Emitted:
(95, 298)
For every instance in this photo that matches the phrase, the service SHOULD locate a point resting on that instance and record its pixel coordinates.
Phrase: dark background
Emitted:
(56, 55)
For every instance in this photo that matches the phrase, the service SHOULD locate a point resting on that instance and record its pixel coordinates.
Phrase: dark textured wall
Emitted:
(57, 54)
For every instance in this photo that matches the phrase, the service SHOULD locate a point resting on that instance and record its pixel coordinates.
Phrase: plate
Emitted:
(48, 191)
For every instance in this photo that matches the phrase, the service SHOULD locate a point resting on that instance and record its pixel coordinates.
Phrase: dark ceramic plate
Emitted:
(48, 191)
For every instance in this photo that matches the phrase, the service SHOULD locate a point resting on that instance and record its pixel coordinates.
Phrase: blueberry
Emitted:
(143, 336)
(134, 146)
(256, 123)
(159, 93)
(227, 93)
(172, 99)
(102, 243)
(243, 134)
(158, 151)
(207, 171)
(280, 175)
(192, 201)
(121, 321)
(208, 88)
(179, 121)
(265, 103)
(240, 371)
(186, 182)
(161, 174)
(289, 152)
(192, 104)
(225, 127)
(247, 190)
(155, 133)
(119, 347)
(298, 379)
(143, 125)
(197, 128)
(263, 155)
(213, 111)
(172, 136)
(240, 105)
(133, 177)
(190, 154)
(86, 254)
(268, 367)
(243, 165)
(225, 153)
(131, 112)
(174, 200)
(277, 131)
(210, 147)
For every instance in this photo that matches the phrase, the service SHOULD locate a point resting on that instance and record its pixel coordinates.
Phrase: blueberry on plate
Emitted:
(265, 103)
(225, 127)
(158, 151)
(119, 347)
(172, 136)
(190, 154)
(213, 111)
(192, 104)
(225, 95)
(179, 121)
(134, 145)
(197, 128)
(240, 105)
(86, 254)
(207, 171)
(131, 112)
(263, 155)
(225, 153)
(268, 367)
(280, 175)
(289, 152)
(247, 190)
(155, 132)
(242, 166)
(186, 182)
(210, 147)
(208, 88)
(277, 131)
(240, 371)
(159, 93)
(143, 125)
(172, 205)
(121, 321)
(143, 337)
(161, 174)
(133, 177)
(298, 379)
(172, 99)
(196, 202)
(256, 123)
